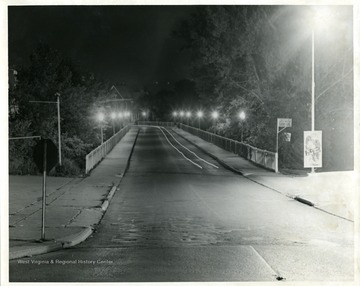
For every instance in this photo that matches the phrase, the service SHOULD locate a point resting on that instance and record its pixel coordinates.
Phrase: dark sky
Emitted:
(126, 43)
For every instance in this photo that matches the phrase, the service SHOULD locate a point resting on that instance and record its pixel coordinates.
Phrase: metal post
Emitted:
(312, 85)
(59, 128)
(44, 194)
(277, 148)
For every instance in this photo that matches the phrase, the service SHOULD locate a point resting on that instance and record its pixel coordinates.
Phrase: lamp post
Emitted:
(175, 114)
(120, 117)
(113, 116)
(182, 113)
(199, 115)
(101, 118)
(215, 116)
(127, 115)
(188, 115)
(319, 18)
(312, 85)
(242, 117)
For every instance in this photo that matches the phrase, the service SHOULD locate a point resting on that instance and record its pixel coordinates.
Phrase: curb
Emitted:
(76, 239)
(18, 252)
(110, 195)
(306, 202)
(54, 245)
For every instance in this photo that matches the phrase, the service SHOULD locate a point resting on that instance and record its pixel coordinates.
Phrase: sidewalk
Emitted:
(74, 205)
(333, 192)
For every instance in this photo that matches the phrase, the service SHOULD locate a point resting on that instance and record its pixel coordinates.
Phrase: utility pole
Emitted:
(59, 128)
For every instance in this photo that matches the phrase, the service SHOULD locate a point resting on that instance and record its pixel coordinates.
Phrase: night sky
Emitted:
(125, 43)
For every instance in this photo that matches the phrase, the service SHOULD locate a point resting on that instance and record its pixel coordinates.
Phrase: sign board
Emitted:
(312, 149)
(287, 136)
(284, 122)
(51, 155)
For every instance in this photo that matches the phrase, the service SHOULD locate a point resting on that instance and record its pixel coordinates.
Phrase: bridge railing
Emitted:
(96, 155)
(156, 123)
(261, 157)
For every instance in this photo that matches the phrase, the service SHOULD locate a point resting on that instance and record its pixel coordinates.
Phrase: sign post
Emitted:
(45, 157)
(283, 123)
(44, 193)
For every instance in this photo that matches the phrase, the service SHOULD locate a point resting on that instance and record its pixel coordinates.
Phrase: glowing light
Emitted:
(215, 115)
(144, 113)
(188, 114)
(175, 114)
(120, 115)
(242, 115)
(113, 115)
(182, 113)
(200, 114)
(100, 116)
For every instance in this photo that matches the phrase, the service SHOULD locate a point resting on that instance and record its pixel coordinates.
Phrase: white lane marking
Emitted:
(275, 273)
(192, 162)
(191, 151)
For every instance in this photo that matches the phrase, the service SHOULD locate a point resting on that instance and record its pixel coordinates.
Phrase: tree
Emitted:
(258, 59)
(47, 74)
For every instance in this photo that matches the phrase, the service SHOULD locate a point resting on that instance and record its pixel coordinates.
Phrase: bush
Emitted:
(69, 168)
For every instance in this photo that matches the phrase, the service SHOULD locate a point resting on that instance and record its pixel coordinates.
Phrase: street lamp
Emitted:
(120, 116)
(214, 115)
(101, 117)
(113, 116)
(242, 117)
(318, 18)
(127, 114)
(188, 115)
(199, 115)
(182, 113)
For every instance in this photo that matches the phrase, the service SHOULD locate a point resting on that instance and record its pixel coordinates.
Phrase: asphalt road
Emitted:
(176, 217)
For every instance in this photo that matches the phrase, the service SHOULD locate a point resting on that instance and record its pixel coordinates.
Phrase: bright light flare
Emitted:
(120, 115)
(188, 114)
(200, 114)
(242, 115)
(100, 116)
(182, 113)
(113, 115)
(321, 15)
(144, 113)
(175, 114)
(215, 115)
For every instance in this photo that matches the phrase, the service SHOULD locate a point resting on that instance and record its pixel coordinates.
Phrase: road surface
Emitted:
(180, 216)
